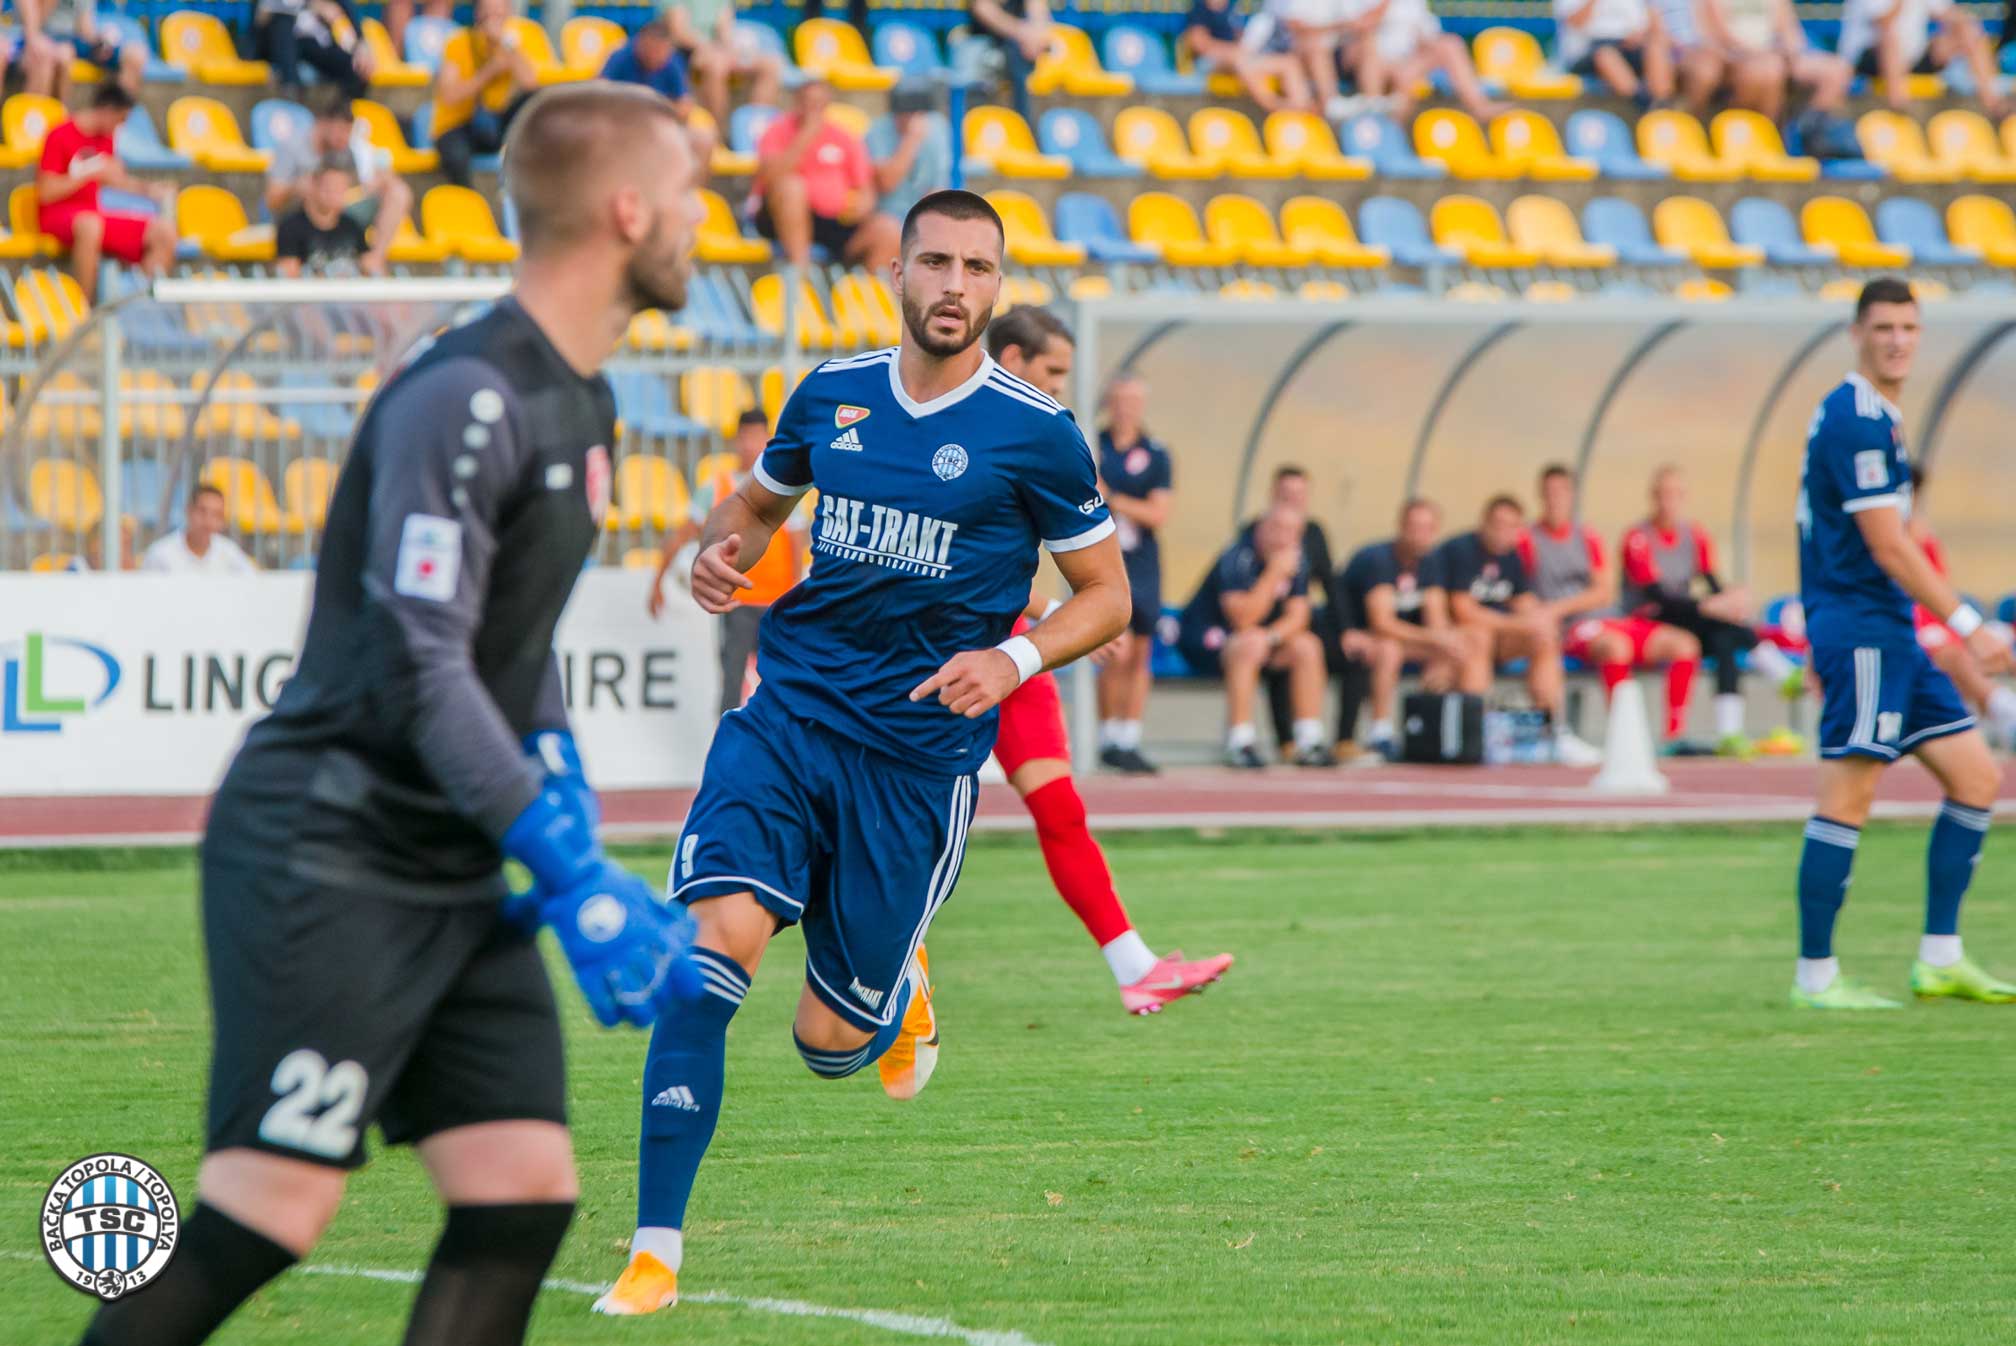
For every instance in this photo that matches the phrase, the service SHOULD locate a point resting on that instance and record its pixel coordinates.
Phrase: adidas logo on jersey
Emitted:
(678, 1096)
(847, 441)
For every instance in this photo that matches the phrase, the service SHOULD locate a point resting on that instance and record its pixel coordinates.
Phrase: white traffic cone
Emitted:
(1629, 767)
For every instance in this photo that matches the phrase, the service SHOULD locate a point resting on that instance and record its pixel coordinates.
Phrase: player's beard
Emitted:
(917, 320)
(658, 271)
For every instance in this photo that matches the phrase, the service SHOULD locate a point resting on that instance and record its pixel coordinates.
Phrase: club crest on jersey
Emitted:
(598, 482)
(847, 414)
(949, 462)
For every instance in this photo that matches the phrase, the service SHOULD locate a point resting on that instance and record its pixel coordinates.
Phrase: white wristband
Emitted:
(1028, 659)
(1965, 621)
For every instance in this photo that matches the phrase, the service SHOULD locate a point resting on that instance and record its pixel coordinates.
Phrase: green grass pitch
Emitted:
(1460, 1088)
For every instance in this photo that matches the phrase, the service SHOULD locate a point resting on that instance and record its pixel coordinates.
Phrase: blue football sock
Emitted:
(1823, 882)
(1949, 864)
(682, 1090)
(838, 1065)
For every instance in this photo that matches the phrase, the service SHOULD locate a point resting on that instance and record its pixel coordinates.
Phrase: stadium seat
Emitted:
(1322, 291)
(66, 409)
(65, 493)
(1074, 134)
(391, 70)
(1529, 143)
(1675, 141)
(1150, 137)
(1072, 67)
(425, 37)
(1511, 58)
(644, 410)
(1838, 224)
(910, 50)
(383, 130)
(155, 418)
(1690, 225)
(1765, 223)
(205, 130)
(1545, 225)
(1224, 137)
(1089, 220)
(1474, 292)
(1619, 224)
(1167, 223)
(26, 119)
(529, 37)
(1602, 136)
(1470, 225)
(1962, 139)
(1704, 290)
(249, 501)
(1394, 224)
(461, 219)
(1306, 141)
(1022, 290)
(1550, 292)
(1750, 140)
(651, 330)
(1030, 242)
(277, 121)
(127, 29)
(307, 484)
(140, 145)
(730, 159)
(1378, 139)
(1320, 227)
(715, 396)
(815, 330)
(1894, 141)
(836, 50)
(1244, 225)
(201, 44)
(1248, 291)
(586, 43)
(1140, 55)
(998, 138)
(650, 492)
(1454, 140)
(720, 239)
(864, 303)
(1983, 223)
(23, 239)
(215, 219)
(410, 248)
(1912, 224)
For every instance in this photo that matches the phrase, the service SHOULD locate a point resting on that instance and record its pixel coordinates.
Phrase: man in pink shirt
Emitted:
(816, 184)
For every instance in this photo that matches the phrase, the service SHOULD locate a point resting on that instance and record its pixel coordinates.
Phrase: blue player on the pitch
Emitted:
(839, 797)
(1859, 571)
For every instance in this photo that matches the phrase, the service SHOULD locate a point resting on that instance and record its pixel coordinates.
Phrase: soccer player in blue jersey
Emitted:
(1859, 570)
(839, 797)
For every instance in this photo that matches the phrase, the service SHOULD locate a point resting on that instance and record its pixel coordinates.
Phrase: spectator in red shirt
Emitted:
(816, 184)
(1995, 702)
(77, 159)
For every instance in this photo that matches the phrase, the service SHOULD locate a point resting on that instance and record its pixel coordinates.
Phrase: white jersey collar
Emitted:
(945, 399)
(1855, 377)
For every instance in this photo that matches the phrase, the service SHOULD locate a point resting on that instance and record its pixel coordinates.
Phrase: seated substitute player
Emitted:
(1859, 572)
(1577, 586)
(1948, 652)
(1033, 749)
(839, 797)
(1493, 606)
(1400, 617)
(361, 968)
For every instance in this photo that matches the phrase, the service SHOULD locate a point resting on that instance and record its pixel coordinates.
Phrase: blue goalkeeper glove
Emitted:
(554, 749)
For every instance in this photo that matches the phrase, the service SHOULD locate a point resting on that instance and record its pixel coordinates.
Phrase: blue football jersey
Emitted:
(1855, 460)
(924, 543)
(1135, 473)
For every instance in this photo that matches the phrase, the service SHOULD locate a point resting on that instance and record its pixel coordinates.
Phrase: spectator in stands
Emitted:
(1493, 607)
(56, 32)
(1669, 576)
(705, 31)
(1404, 47)
(483, 80)
(1322, 33)
(1021, 33)
(1136, 477)
(93, 555)
(1891, 39)
(321, 34)
(199, 546)
(387, 200)
(78, 158)
(399, 13)
(1621, 42)
(320, 238)
(1578, 589)
(1703, 68)
(1290, 490)
(1993, 701)
(1395, 613)
(815, 184)
(1251, 615)
(652, 58)
(1766, 49)
(911, 148)
(1216, 36)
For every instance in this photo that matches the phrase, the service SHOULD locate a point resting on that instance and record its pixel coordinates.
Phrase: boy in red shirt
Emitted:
(77, 159)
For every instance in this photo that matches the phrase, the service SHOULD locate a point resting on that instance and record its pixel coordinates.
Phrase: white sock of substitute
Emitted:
(1240, 736)
(1939, 950)
(1130, 957)
(1382, 731)
(1130, 733)
(1817, 974)
(2002, 710)
(1112, 734)
(1769, 660)
(1308, 733)
(667, 1245)
(1728, 714)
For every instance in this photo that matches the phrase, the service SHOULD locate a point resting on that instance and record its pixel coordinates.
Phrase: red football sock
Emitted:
(1679, 687)
(1613, 676)
(1077, 865)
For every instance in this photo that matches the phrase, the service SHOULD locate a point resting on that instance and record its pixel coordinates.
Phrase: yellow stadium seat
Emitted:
(1841, 290)
(1083, 288)
(1319, 226)
(1894, 141)
(529, 37)
(720, 238)
(216, 220)
(1018, 290)
(1841, 226)
(205, 130)
(650, 493)
(1306, 141)
(1071, 66)
(1703, 290)
(1223, 136)
(586, 42)
(1243, 224)
(816, 332)
(1748, 139)
(1550, 292)
(997, 137)
(1528, 141)
(66, 409)
(202, 45)
(1322, 291)
(1962, 138)
(1513, 58)
(651, 330)
(65, 493)
(725, 163)
(1248, 291)
(1985, 224)
(249, 501)
(1546, 225)
(640, 558)
(384, 132)
(408, 247)
(1150, 137)
(242, 419)
(1929, 291)
(835, 48)
(1690, 225)
(1917, 88)
(24, 222)
(461, 218)
(863, 302)
(389, 70)
(1470, 225)
(772, 383)
(855, 121)
(25, 120)
(1030, 239)
(1167, 222)
(711, 466)
(308, 484)
(2009, 136)
(155, 418)
(1474, 292)
(51, 562)
(715, 395)
(1454, 140)
(1677, 141)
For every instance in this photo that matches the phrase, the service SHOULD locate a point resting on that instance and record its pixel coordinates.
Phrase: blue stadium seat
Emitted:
(644, 405)
(1392, 154)
(1395, 225)
(130, 30)
(1090, 220)
(276, 119)
(1917, 226)
(425, 37)
(911, 50)
(1074, 133)
(746, 125)
(1760, 223)
(761, 37)
(2005, 611)
(1602, 136)
(140, 145)
(322, 420)
(1129, 50)
(1621, 225)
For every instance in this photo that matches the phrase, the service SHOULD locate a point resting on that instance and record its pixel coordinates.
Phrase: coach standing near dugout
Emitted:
(1136, 478)
(364, 963)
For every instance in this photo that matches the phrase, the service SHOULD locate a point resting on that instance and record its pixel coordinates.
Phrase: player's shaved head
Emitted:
(952, 203)
(574, 146)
